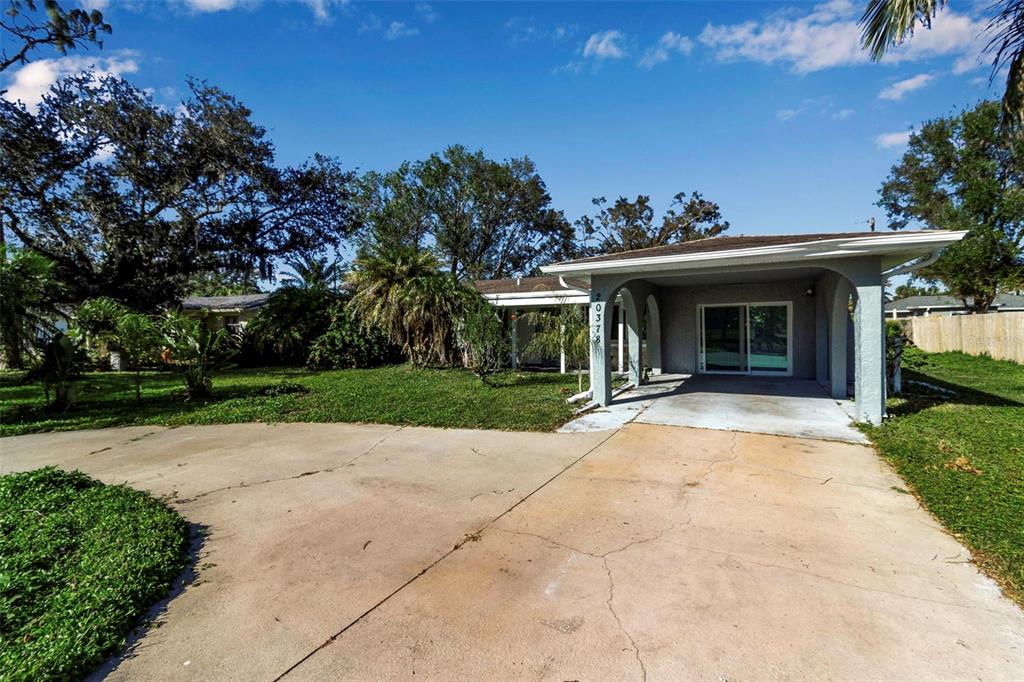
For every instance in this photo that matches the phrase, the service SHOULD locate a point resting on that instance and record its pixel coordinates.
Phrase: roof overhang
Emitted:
(538, 299)
(894, 249)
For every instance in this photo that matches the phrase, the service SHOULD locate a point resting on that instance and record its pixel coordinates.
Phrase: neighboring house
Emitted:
(772, 305)
(225, 312)
(924, 306)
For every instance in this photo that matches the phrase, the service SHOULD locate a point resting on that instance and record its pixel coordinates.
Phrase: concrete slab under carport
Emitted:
(756, 404)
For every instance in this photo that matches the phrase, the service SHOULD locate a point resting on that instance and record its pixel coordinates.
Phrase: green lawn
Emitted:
(963, 453)
(80, 563)
(520, 401)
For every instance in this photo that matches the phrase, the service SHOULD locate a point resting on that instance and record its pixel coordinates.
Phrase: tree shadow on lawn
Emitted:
(153, 618)
(923, 391)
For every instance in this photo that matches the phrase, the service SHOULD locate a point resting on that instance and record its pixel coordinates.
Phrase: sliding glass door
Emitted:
(746, 338)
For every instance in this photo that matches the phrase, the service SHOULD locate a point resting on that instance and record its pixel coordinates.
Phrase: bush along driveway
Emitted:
(399, 394)
(956, 435)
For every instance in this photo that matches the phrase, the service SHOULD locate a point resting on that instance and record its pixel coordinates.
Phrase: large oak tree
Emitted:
(130, 200)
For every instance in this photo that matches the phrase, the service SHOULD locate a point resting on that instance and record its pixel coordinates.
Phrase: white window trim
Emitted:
(746, 332)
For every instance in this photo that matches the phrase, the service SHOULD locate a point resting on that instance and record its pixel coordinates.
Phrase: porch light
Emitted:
(809, 291)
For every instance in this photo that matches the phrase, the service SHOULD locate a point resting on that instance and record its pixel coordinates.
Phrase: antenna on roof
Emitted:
(871, 223)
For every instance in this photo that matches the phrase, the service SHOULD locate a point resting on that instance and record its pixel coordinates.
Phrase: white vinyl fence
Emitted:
(1000, 335)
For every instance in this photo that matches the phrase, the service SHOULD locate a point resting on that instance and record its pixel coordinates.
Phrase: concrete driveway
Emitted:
(657, 552)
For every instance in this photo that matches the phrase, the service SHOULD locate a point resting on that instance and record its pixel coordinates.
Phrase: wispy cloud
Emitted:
(662, 51)
(828, 36)
(426, 12)
(605, 45)
(321, 8)
(890, 140)
(899, 89)
(842, 114)
(527, 30)
(399, 29)
(814, 106)
(30, 82)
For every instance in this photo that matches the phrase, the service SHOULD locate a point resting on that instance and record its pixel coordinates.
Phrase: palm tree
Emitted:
(310, 272)
(566, 330)
(401, 292)
(887, 23)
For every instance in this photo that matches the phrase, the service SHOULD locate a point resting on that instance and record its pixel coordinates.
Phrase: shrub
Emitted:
(80, 562)
(60, 363)
(484, 337)
(348, 344)
(193, 351)
(282, 332)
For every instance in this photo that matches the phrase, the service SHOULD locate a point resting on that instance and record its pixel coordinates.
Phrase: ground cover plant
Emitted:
(396, 394)
(956, 435)
(80, 562)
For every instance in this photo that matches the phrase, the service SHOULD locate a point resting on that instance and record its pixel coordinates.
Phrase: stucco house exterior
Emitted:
(225, 312)
(768, 305)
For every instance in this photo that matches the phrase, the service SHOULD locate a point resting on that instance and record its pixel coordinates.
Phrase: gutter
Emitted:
(913, 265)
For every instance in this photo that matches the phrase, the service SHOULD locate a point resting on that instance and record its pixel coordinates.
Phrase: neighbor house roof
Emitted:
(893, 247)
(240, 302)
(944, 301)
(515, 285)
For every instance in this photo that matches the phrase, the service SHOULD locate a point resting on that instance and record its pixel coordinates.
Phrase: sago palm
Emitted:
(887, 23)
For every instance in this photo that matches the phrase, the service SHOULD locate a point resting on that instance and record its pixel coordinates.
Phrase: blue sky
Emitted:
(771, 110)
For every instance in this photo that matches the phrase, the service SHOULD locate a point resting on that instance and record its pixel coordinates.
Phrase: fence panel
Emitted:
(1001, 335)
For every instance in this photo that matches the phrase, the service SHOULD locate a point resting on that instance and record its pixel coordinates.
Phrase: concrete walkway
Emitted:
(657, 552)
(772, 405)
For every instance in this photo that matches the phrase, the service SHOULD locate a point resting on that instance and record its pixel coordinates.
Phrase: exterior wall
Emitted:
(679, 342)
(217, 320)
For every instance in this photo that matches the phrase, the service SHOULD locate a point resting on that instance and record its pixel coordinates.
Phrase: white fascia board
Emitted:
(536, 299)
(908, 245)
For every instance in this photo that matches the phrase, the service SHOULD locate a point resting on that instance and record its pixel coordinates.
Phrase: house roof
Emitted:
(240, 302)
(945, 301)
(893, 247)
(525, 285)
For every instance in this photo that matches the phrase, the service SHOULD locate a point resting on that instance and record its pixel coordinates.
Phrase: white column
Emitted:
(839, 313)
(636, 366)
(622, 346)
(600, 328)
(515, 340)
(561, 350)
(870, 377)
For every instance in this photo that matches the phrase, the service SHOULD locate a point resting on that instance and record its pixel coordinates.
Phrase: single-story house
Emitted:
(225, 312)
(924, 306)
(767, 305)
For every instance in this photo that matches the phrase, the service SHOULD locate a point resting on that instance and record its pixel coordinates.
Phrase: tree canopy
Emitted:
(130, 200)
(961, 173)
(482, 218)
(627, 225)
(24, 30)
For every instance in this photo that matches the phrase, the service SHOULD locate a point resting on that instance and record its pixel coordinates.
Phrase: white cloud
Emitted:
(321, 8)
(31, 81)
(786, 114)
(605, 45)
(663, 49)
(398, 29)
(842, 114)
(426, 11)
(572, 68)
(828, 36)
(370, 23)
(211, 5)
(522, 30)
(897, 90)
(889, 140)
(95, 4)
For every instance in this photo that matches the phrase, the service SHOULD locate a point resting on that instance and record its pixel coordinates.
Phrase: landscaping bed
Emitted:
(80, 563)
(398, 394)
(956, 435)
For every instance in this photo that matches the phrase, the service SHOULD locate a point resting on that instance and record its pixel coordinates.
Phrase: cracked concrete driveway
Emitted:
(658, 552)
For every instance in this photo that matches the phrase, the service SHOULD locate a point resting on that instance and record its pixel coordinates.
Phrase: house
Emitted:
(775, 306)
(225, 312)
(924, 306)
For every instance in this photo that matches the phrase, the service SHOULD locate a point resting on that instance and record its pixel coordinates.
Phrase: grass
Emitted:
(961, 449)
(80, 562)
(519, 401)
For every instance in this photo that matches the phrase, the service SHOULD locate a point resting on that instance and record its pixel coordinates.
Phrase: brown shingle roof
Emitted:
(728, 243)
(522, 285)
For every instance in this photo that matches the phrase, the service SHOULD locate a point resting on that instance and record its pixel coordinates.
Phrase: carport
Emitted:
(783, 306)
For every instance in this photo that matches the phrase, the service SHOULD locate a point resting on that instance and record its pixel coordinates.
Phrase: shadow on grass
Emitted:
(919, 393)
(153, 618)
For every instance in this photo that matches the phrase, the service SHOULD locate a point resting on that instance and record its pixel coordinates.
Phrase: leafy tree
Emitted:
(139, 341)
(26, 288)
(961, 173)
(293, 318)
(482, 218)
(907, 290)
(311, 272)
(222, 282)
(347, 344)
(627, 225)
(888, 23)
(402, 293)
(138, 199)
(60, 365)
(25, 31)
(566, 330)
(193, 351)
(483, 336)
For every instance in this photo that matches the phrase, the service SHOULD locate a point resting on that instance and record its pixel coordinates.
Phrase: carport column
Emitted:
(561, 348)
(621, 325)
(653, 323)
(870, 380)
(636, 365)
(839, 313)
(600, 328)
